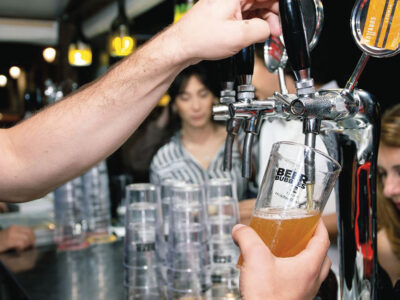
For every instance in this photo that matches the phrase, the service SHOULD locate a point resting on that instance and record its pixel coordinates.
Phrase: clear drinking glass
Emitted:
(165, 187)
(143, 239)
(288, 205)
(97, 201)
(70, 232)
(222, 207)
(188, 258)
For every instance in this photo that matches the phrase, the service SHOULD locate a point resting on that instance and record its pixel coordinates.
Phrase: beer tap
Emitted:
(245, 95)
(296, 43)
(227, 98)
(347, 120)
(245, 111)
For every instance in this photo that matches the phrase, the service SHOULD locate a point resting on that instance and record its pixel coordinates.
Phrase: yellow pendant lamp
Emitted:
(79, 51)
(121, 43)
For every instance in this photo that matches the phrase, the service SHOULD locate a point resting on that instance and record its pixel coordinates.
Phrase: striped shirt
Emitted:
(173, 161)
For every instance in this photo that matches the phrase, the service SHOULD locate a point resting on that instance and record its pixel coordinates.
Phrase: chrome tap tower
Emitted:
(347, 120)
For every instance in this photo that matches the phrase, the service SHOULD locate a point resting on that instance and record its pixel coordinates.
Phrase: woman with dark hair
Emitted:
(389, 194)
(194, 149)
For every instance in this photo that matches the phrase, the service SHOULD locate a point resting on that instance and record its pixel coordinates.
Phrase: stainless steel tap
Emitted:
(243, 110)
(348, 121)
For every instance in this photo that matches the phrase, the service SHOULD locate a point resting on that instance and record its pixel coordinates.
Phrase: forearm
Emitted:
(64, 140)
(69, 137)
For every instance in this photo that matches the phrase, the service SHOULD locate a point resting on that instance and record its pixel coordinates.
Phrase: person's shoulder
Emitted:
(165, 155)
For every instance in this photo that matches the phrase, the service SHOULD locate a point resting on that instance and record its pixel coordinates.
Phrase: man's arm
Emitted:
(69, 137)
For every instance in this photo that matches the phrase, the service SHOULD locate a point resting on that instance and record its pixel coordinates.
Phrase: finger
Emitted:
(27, 231)
(249, 241)
(326, 266)
(272, 6)
(274, 24)
(271, 18)
(255, 30)
(318, 245)
(17, 241)
(22, 240)
(31, 235)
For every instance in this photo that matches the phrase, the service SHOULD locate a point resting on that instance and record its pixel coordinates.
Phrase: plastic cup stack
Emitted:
(144, 242)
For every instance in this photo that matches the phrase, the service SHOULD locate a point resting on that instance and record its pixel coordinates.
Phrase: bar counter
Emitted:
(46, 273)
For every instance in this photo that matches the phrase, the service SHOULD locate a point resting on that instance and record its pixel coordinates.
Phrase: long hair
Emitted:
(202, 71)
(388, 214)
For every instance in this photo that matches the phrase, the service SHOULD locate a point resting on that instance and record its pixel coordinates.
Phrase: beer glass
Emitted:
(287, 211)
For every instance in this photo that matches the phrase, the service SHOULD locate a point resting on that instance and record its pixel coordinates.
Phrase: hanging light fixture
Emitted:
(49, 54)
(79, 51)
(120, 41)
(3, 80)
(15, 72)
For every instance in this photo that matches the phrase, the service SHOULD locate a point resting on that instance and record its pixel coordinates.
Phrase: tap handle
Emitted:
(226, 69)
(244, 60)
(294, 34)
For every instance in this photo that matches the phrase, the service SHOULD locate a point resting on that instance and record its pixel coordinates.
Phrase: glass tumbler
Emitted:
(289, 203)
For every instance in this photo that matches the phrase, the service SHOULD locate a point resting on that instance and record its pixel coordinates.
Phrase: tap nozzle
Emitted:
(252, 128)
(232, 129)
(311, 127)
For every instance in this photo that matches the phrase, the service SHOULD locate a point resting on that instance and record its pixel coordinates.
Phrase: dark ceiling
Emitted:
(145, 25)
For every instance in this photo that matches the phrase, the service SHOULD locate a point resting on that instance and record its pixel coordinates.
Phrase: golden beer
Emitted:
(285, 232)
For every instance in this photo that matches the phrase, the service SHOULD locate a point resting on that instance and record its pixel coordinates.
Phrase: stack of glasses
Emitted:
(144, 242)
(179, 245)
(82, 209)
(97, 203)
(223, 214)
(70, 231)
(166, 187)
(188, 257)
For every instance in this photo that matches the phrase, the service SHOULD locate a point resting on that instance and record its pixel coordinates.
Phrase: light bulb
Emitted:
(15, 72)
(49, 54)
(3, 81)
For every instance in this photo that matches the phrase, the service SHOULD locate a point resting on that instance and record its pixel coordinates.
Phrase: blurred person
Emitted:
(139, 149)
(389, 194)
(195, 152)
